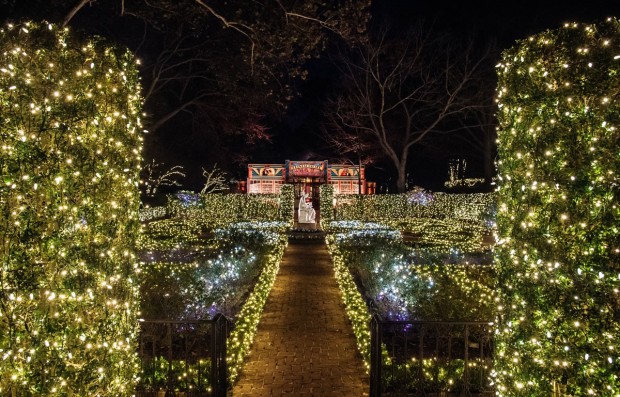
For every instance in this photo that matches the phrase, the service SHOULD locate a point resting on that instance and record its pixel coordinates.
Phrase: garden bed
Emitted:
(190, 274)
(413, 289)
(415, 282)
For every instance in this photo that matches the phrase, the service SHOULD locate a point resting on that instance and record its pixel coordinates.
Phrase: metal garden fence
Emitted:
(430, 358)
(183, 358)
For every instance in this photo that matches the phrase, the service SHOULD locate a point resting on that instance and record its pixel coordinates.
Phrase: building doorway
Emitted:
(311, 186)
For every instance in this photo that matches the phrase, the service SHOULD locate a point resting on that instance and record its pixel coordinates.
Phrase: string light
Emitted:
(70, 160)
(189, 278)
(192, 216)
(210, 211)
(445, 221)
(557, 257)
(408, 283)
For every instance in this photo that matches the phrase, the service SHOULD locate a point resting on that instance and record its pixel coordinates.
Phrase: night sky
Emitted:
(500, 22)
(297, 135)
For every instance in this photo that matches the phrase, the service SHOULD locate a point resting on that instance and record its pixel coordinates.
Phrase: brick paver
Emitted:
(304, 345)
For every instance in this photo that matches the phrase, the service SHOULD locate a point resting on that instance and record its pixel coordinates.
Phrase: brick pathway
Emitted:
(304, 345)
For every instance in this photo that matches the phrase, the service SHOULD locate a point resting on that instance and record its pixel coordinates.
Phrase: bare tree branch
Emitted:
(74, 11)
(400, 89)
(215, 180)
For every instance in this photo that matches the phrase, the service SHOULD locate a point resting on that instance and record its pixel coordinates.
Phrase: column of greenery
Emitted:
(70, 142)
(559, 222)
(326, 202)
(287, 203)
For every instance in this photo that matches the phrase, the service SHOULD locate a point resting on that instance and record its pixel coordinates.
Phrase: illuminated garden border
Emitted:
(246, 325)
(233, 250)
(354, 303)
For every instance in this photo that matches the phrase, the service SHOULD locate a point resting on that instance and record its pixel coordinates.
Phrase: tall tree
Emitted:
(212, 72)
(398, 89)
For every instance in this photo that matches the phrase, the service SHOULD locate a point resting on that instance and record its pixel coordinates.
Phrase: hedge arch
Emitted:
(559, 223)
(69, 159)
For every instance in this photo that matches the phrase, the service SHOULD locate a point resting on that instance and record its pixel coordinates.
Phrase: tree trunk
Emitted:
(401, 182)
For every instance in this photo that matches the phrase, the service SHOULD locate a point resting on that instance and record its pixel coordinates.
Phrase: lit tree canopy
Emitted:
(70, 141)
(559, 242)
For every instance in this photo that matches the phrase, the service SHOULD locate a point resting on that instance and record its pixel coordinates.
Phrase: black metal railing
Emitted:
(430, 358)
(183, 358)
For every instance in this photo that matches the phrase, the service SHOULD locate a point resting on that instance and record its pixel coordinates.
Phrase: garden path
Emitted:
(304, 345)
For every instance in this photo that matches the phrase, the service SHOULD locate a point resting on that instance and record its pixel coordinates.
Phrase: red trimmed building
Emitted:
(308, 176)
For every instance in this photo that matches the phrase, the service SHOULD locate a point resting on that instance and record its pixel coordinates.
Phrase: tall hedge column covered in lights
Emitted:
(559, 222)
(70, 142)
(287, 203)
(326, 203)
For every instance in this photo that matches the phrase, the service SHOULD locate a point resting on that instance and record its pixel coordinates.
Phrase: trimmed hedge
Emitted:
(70, 160)
(419, 204)
(219, 209)
(558, 258)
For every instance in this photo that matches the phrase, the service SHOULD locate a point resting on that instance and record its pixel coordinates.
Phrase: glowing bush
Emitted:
(69, 160)
(415, 204)
(326, 205)
(287, 203)
(215, 210)
(558, 216)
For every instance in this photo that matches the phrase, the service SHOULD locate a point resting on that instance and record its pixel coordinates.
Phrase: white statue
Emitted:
(306, 214)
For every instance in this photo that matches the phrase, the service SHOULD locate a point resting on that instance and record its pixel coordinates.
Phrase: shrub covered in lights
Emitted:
(371, 263)
(187, 276)
(408, 283)
(558, 216)
(69, 160)
(196, 281)
(434, 219)
(287, 203)
(415, 204)
(213, 210)
(326, 205)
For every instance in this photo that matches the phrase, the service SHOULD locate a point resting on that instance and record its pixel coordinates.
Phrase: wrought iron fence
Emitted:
(430, 358)
(183, 358)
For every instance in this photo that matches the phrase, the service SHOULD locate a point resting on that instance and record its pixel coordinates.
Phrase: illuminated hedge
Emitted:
(454, 221)
(214, 210)
(152, 213)
(558, 216)
(326, 204)
(417, 204)
(354, 303)
(69, 159)
(246, 325)
(287, 203)
(231, 274)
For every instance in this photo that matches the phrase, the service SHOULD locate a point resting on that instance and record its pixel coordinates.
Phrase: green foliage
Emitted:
(417, 284)
(209, 211)
(69, 161)
(446, 234)
(432, 219)
(287, 203)
(152, 213)
(157, 371)
(186, 277)
(326, 205)
(416, 204)
(194, 281)
(354, 303)
(406, 283)
(240, 340)
(558, 214)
